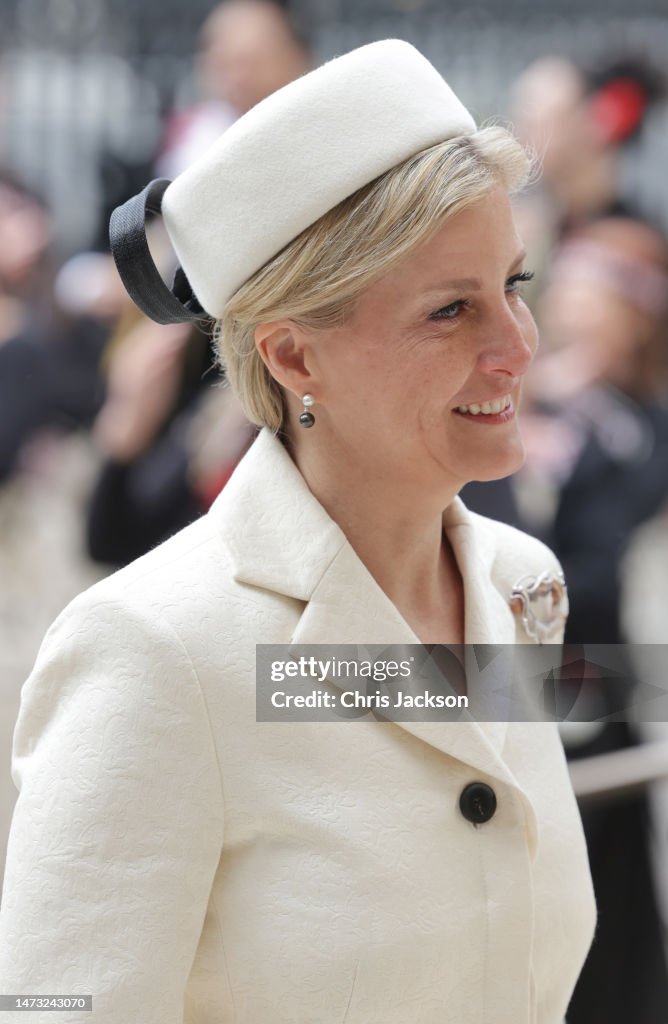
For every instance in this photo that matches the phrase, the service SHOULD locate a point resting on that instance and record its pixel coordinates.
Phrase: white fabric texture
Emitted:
(297, 154)
(186, 864)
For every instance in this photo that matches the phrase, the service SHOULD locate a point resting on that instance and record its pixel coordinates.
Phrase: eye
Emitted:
(451, 311)
(513, 282)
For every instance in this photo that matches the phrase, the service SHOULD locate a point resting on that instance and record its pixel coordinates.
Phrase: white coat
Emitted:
(183, 862)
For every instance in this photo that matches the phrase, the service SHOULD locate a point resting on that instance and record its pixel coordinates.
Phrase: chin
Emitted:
(498, 468)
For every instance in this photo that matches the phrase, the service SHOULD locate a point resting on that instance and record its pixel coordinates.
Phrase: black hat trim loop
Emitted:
(138, 272)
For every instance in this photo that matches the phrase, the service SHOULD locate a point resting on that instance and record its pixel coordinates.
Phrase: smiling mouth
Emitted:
(492, 408)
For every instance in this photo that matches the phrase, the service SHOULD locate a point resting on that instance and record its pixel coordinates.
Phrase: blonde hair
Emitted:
(316, 279)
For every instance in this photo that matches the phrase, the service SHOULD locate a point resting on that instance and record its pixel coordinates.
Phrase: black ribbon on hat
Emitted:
(138, 272)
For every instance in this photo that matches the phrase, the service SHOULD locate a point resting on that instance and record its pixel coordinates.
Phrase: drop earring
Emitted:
(307, 419)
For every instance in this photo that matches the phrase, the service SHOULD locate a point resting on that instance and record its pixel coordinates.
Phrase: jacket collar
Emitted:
(278, 533)
(281, 539)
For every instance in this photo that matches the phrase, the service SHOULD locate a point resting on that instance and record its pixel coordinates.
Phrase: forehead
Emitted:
(478, 241)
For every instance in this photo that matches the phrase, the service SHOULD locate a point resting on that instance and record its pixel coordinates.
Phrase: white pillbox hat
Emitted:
(280, 167)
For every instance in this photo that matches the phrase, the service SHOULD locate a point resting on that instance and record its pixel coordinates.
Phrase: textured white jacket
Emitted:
(182, 862)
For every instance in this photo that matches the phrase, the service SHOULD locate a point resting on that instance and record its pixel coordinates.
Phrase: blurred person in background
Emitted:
(161, 468)
(597, 457)
(582, 121)
(248, 49)
(601, 464)
(600, 447)
(48, 360)
(50, 390)
(597, 469)
(163, 463)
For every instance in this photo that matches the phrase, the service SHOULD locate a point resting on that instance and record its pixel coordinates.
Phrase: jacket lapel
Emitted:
(488, 618)
(348, 607)
(282, 539)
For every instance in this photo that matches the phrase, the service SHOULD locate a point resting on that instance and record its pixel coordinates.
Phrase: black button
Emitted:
(477, 802)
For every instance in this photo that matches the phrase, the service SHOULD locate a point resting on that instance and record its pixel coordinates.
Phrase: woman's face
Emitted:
(446, 328)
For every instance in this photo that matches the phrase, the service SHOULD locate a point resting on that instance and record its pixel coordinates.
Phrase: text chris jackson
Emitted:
(356, 699)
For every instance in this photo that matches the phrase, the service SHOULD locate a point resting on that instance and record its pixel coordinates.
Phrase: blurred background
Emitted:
(115, 433)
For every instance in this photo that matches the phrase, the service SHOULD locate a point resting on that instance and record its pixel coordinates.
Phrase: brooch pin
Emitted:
(542, 603)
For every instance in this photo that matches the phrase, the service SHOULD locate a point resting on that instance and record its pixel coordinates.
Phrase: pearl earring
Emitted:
(307, 419)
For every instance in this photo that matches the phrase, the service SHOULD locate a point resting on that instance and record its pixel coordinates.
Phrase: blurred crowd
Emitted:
(115, 432)
(595, 482)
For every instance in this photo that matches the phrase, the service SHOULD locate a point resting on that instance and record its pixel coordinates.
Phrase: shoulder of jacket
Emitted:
(516, 551)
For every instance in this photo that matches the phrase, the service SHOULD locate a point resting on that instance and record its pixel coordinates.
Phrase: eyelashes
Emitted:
(453, 309)
(526, 275)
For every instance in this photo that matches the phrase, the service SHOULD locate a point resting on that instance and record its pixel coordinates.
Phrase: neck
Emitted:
(395, 527)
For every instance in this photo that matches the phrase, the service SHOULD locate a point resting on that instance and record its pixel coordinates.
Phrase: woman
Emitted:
(172, 855)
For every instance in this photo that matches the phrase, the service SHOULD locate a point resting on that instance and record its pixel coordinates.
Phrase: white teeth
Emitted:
(486, 408)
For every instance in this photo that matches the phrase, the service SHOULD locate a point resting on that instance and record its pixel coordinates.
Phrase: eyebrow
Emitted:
(473, 283)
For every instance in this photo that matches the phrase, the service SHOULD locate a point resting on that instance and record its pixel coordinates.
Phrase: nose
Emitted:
(513, 338)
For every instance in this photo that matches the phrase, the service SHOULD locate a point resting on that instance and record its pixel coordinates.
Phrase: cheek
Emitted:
(402, 383)
(373, 367)
(361, 380)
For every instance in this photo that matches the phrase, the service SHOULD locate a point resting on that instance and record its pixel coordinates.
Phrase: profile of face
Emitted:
(423, 378)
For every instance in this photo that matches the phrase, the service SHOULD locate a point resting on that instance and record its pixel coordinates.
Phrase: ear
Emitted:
(285, 348)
